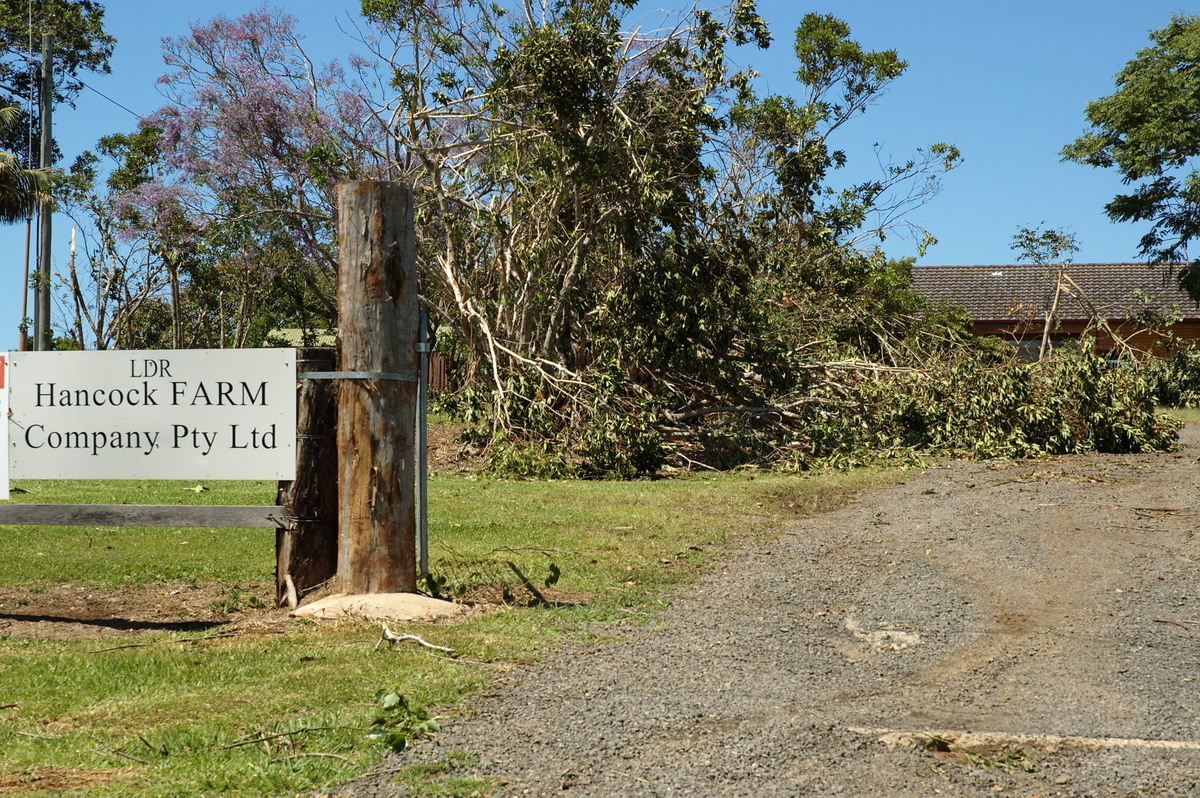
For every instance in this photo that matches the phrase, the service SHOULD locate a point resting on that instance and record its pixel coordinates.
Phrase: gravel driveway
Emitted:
(1024, 629)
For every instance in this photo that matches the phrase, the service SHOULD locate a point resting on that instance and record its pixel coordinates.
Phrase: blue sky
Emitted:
(1007, 83)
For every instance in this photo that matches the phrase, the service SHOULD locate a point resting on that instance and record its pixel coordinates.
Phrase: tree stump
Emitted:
(306, 551)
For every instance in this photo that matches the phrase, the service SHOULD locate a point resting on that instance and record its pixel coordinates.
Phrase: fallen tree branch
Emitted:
(464, 660)
(320, 753)
(116, 751)
(181, 640)
(688, 415)
(1181, 624)
(265, 737)
(538, 549)
(118, 648)
(690, 462)
(860, 365)
(392, 639)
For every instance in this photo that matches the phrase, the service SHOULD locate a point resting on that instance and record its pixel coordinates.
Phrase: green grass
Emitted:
(1189, 415)
(279, 712)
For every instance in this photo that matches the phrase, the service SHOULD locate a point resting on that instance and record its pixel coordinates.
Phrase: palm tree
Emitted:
(21, 190)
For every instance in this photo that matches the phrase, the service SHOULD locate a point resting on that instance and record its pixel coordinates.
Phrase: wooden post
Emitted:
(306, 549)
(43, 333)
(377, 396)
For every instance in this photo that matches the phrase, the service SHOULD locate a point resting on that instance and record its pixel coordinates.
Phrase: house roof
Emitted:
(296, 336)
(1023, 291)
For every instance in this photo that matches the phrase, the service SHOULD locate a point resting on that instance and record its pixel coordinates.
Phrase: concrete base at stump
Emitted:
(380, 607)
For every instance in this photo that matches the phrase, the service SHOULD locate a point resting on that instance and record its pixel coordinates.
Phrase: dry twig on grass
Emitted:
(116, 751)
(320, 753)
(1180, 624)
(391, 638)
(263, 738)
(180, 640)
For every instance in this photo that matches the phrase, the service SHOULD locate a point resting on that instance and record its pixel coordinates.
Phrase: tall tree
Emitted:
(116, 282)
(617, 235)
(1149, 131)
(240, 209)
(822, 269)
(81, 46)
(1053, 249)
(561, 159)
(603, 203)
(21, 189)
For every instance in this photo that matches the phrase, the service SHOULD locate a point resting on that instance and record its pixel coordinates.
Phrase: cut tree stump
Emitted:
(306, 549)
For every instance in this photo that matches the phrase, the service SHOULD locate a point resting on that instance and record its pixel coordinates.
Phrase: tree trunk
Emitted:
(1050, 315)
(306, 551)
(377, 329)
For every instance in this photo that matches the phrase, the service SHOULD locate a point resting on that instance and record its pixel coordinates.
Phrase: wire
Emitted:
(29, 111)
(111, 100)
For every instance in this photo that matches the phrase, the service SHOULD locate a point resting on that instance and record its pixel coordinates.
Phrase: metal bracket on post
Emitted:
(357, 375)
(423, 347)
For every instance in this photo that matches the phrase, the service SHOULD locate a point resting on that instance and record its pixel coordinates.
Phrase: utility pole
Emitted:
(43, 338)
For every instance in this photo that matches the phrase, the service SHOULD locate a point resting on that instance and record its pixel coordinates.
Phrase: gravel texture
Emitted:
(937, 637)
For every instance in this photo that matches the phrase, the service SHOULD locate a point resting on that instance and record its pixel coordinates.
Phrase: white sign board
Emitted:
(175, 414)
(3, 426)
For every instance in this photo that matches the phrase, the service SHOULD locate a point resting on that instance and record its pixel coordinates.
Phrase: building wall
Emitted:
(1028, 335)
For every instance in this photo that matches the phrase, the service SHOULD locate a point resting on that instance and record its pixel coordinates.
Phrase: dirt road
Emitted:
(1025, 629)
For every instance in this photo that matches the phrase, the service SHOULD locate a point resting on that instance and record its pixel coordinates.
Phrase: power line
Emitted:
(29, 107)
(111, 100)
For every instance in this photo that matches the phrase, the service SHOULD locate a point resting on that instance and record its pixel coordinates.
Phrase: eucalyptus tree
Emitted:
(116, 284)
(603, 203)
(617, 234)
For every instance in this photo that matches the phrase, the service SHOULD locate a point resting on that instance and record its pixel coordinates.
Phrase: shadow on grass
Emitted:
(118, 624)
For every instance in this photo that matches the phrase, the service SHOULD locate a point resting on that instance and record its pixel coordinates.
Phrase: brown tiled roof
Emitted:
(998, 293)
